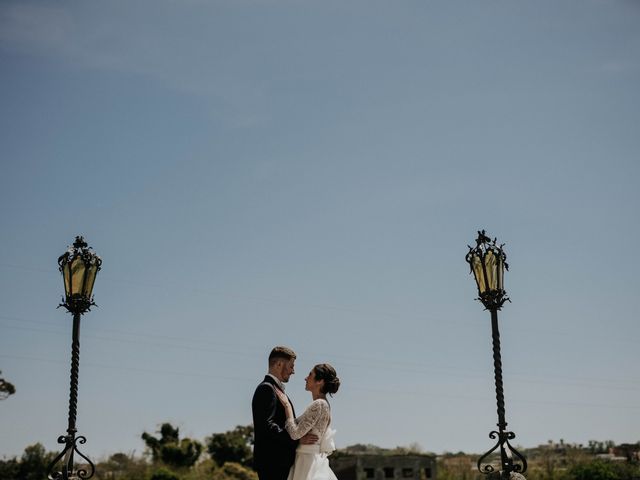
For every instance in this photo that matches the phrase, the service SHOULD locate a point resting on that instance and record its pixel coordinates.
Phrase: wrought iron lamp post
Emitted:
(79, 266)
(488, 263)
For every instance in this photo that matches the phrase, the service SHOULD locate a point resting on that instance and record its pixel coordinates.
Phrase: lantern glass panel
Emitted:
(92, 270)
(78, 269)
(478, 272)
(491, 264)
(66, 275)
(500, 273)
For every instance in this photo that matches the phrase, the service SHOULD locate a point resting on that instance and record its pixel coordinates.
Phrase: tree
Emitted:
(6, 388)
(169, 449)
(232, 446)
(34, 462)
(10, 469)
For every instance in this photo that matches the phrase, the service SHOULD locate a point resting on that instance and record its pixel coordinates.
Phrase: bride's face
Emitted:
(311, 384)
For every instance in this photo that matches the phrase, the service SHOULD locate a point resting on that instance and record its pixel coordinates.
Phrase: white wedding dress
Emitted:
(311, 460)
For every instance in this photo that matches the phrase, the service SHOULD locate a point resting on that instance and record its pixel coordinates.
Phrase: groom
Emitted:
(273, 450)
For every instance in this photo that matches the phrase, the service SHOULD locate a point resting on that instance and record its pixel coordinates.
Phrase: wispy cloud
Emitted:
(60, 34)
(136, 42)
(34, 29)
(619, 66)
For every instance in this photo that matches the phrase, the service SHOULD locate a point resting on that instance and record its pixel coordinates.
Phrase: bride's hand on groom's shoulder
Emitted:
(282, 397)
(288, 409)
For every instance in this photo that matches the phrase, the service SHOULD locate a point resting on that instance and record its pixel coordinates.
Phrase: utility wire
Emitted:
(379, 364)
(418, 393)
(287, 301)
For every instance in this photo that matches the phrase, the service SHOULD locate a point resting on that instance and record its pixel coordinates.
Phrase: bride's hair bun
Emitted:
(324, 371)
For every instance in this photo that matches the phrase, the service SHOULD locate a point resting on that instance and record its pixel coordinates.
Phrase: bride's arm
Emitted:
(297, 428)
(300, 426)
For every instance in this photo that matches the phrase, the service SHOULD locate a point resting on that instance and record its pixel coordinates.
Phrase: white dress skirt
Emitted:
(312, 461)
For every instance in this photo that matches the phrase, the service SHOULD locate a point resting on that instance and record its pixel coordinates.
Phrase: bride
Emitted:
(311, 460)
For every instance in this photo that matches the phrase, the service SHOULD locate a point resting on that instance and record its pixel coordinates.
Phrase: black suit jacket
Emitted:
(272, 445)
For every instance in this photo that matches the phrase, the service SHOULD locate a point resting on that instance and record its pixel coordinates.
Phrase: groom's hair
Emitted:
(279, 353)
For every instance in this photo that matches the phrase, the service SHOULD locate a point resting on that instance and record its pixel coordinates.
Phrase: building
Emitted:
(369, 466)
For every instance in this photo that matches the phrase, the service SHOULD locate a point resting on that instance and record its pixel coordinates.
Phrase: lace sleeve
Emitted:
(311, 417)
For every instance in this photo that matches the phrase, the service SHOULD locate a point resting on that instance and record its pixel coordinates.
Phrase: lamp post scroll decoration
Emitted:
(488, 263)
(79, 266)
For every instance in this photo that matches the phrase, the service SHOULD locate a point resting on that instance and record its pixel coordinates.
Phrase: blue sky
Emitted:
(305, 173)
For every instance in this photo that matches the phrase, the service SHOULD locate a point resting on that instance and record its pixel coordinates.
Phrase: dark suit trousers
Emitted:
(273, 473)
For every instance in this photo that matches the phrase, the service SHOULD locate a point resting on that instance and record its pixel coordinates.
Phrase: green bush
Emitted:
(604, 470)
(234, 471)
(164, 474)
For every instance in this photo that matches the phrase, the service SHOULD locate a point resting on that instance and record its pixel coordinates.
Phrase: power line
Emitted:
(352, 387)
(380, 364)
(288, 301)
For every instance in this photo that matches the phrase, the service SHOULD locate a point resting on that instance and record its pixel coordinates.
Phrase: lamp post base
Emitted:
(512, 462)
(71, 448)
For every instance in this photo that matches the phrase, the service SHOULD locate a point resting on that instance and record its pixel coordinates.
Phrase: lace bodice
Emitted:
(315, 419)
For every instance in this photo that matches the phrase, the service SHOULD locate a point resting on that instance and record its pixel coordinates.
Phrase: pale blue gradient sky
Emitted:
(310, 173)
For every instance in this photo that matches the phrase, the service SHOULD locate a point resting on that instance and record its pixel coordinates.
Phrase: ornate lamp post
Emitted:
(488, 263)
(79, 267)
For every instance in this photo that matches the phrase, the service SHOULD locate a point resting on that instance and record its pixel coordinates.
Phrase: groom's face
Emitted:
(287, 369)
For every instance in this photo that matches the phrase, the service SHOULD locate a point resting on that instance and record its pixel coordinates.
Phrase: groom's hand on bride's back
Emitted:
(309, 439)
